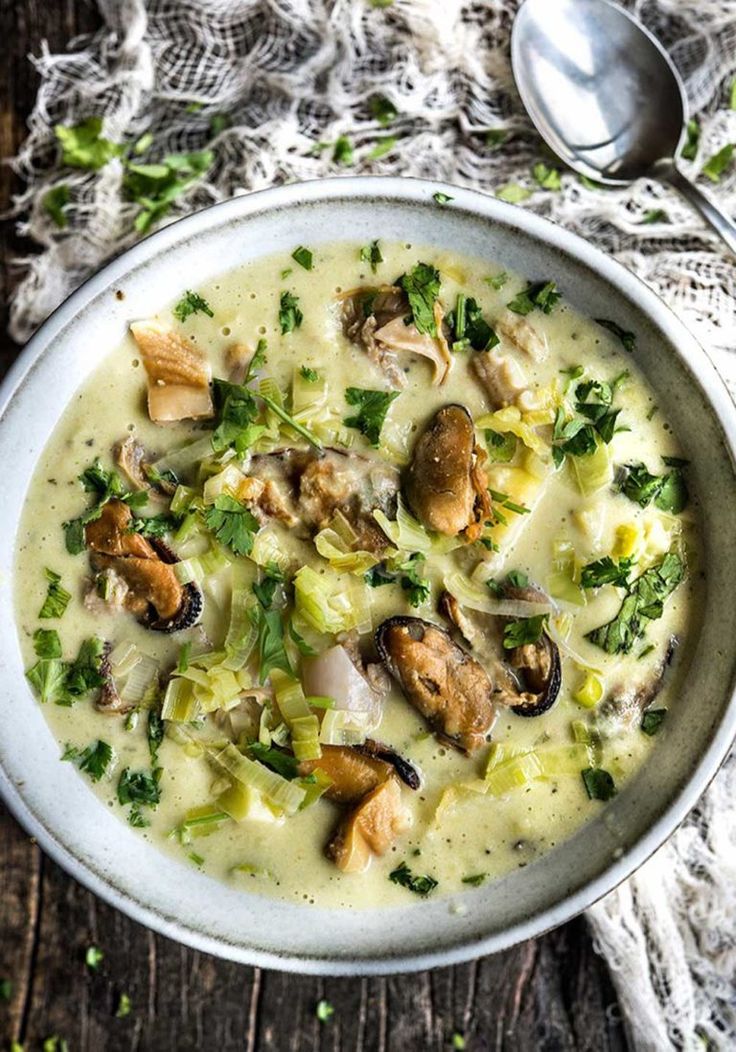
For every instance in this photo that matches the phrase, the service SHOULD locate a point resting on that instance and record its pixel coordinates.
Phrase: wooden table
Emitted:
(550, 994)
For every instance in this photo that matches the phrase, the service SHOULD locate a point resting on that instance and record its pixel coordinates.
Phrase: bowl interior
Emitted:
(52, 800)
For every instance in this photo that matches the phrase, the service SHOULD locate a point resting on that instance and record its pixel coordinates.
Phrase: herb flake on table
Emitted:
(372, 408)
(513, 193)
(55, 201)
(690, 148)
(324, 1011)
(124, 1007)
(442, 199)
(719, 163)
(382, 110)
(84, 146)
(545, 177)
(93, 958)
(192, 303)
(343, 152)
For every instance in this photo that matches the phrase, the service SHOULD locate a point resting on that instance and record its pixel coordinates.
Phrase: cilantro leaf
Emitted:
(237, 411)
(542, 295)
(124, 1007)
(501, 447)
(156, 186)
(652, 720)
(470, 327)
(371, 254)
(271, 651)
(290, 315)
(324, 1011)
(599, 785)
(342, 152)
(497, 281)
(526, 630)
(84, 147)
(606, 571)
(46, 643)
(716, 165)
(412, 581)
(690, 149)
(372, 409)
(192, 303)
(57, 597)
(139, 787)
(422, 287)
(420, 885)
(643, 603)
(303, 257)
(154, 525)
(85, 672)
(232, 523)
(95, 760)
(628, 339)
(48, 679)
(382, 110)
(55, 201)
(310, 375)
(93, 958)
(668, 492)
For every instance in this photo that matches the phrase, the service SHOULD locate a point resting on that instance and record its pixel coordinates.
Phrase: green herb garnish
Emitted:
(716, 165)
(156, 186)
(84, 147)
(652, 720)
(290, 315)
(55, 201)
(497, 281)
(513, 193)
(94, 761)
(93, 958)
(343, 150)
(310, 375)
(46, 643)
(525, 630)
(606, 571)
(442, 199)
(282, 763)
(382, 110)
(628, 339)
(690, 149)
(232, 523)
(139, 787)
(124, 1007)
(475, 879)
(420, 885)
(643, 603)
(6, 989)
(192, 303)
(501, 447)
(155, 733)
(541, 295)
(154, 525)
(324, 1011)
(237, 411)
(668, 492)
(599, 785)
(303, 257)
(57, 598)
(422, 287)
(547, 178)
(372, 409)
(371, 254)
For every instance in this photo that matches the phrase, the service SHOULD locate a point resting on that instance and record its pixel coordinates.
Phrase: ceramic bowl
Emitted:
(71, 824)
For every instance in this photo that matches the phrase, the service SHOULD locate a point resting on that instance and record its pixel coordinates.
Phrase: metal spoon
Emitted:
(604, 95)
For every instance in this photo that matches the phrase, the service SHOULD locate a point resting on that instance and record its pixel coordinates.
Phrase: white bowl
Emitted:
(56, 806)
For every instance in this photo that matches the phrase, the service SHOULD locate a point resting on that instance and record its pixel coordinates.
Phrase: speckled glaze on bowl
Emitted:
(53, 802)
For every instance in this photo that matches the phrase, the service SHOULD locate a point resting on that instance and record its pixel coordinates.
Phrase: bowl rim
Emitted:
(403, 192)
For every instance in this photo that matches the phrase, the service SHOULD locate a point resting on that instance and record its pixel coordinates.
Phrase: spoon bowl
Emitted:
(605, 96)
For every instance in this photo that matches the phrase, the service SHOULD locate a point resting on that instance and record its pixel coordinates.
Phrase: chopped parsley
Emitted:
(719, 163)
(310, 375)
(124, 1007)
(599, 785)
(64, 681)
(525, 630)
(469, 327)
(497, 281)
(93, 958)
(382, 110)
(94, 761)
(55, 201)
(442, 199)
(690, 149)
(372, 408)
(290, 315)
(139, 788)
(578, 436)
(371, 254)
(192, 303)
(517, 579)
(413, 583)
(324, 1011)
(668, 492)
(501, 447)
(342, 152)
(626, 338)
(154, 525)
(83, 145)
(156, 186)
(57, 597)
(232, 523)
(46, 643)
(420, 885)
(475, 879)
(237, 411)
(652, 720)
(422, 287)
(105, 485)
(303, 257)
(547, 178)
(643, 603)
(541, 295)
(606, 571)
(269, 626)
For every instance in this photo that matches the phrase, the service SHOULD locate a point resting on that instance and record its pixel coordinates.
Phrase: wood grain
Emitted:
(543, 996)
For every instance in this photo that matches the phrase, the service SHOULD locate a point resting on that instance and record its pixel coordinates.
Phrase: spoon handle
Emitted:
(701, 203)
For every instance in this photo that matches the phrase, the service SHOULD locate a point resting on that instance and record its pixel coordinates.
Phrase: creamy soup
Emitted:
(360, 575)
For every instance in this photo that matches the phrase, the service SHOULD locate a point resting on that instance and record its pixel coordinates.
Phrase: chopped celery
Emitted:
(303, 724)
(184, 499)
(502, 752)
(332, 602)
(180, 460)
(201, 566)
(241, 633)
(123, 658)
(279, 791)
(267, 548)
(564, 581)
(513, 774)
(319, 702)
(332, 547)
(342, 727)
(244, 803)
(179, 702)
(227, 481)
(408, 534)
(511, 420)
(141, 679)
(594, 471)
(307, 395)
(315, 787)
